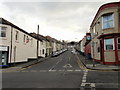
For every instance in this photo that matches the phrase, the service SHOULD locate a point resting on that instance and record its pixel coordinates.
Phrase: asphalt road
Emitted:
(64, 71)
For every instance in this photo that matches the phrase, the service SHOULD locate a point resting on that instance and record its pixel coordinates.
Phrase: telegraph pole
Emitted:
(37, 41)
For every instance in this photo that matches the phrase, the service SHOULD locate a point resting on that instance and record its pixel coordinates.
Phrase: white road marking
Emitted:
(83, 81)
(77, 70)
(52, 70)
(69, 70)
(55, 64)
(84, 78)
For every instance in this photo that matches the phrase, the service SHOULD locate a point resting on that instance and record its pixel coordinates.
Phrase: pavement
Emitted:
(93, 65)
(23, 65)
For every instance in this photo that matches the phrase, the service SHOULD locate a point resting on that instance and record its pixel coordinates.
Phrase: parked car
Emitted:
(55, 54)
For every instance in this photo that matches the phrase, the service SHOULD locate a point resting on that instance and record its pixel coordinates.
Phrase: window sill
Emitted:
(109, 50)
(3, 38)
(108, 28)
(17, 41)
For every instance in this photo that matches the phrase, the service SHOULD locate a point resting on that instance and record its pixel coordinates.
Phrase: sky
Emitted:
(61, 19)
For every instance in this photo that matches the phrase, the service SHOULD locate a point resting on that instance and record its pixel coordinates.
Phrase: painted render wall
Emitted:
(99, 31)
(23, 50)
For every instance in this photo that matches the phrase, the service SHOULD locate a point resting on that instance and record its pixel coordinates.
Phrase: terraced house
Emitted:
(105, 32)
(16, 44)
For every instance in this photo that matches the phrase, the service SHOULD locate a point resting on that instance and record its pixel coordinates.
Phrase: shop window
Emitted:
(3, 31)
(109, 44)
(108, 21)
(119, 43)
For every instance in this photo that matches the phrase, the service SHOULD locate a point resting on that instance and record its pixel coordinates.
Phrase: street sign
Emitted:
(92, 43)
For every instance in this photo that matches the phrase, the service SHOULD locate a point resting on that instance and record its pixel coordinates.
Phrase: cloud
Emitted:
(62, 20)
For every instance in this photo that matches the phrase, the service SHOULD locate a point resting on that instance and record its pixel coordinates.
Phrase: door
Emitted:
(4, 58)
(102, 51)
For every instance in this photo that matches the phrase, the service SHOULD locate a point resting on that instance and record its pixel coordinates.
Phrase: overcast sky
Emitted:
(63, 20)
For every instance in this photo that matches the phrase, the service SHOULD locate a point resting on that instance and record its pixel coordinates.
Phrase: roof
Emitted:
(38, 36)
(5, 22)
(104, 6)
(107, 35)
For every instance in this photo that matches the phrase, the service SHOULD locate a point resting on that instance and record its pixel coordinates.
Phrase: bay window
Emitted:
(109, 44)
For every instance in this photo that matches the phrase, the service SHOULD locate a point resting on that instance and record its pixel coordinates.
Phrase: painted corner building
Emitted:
(105, 33)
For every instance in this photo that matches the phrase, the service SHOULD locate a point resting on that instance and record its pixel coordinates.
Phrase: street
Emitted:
(63, 71)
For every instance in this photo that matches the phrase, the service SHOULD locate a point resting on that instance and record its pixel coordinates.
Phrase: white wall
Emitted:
(23, 50)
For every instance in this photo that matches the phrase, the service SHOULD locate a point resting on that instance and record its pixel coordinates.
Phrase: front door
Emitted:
(102, 51)
(4, 58)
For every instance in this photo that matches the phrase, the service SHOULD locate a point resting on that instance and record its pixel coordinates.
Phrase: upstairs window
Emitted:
(119, 43)
(108, 21)
(24, 38)
(3, 31)
(43, 51)
(109, 44)
(16, 35)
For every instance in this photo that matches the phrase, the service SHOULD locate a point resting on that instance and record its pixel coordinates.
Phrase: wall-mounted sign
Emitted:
(3, 48)
(88, 37)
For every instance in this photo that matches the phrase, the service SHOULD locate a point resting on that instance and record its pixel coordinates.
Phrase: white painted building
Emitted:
(16, 44)
(42, 44)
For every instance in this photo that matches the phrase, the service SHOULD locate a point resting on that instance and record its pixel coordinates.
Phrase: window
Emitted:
(119, 43)
(24, 38)
(27, 40)
(16, 35)
(108, 21)
(109, 44)
(98, 49)
(43, 51)
(3, 31)
(94, 30)
(31, 42)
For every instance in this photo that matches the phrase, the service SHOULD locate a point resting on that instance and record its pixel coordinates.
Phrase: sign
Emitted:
(88, 37)
(3, 48)
(92, 43)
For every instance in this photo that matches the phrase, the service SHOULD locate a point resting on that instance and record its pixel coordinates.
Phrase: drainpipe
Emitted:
(11, 45)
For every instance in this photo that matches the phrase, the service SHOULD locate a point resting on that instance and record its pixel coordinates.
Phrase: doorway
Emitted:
(4, 58)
